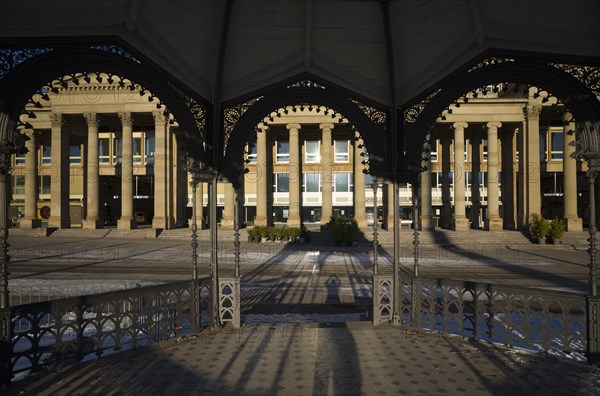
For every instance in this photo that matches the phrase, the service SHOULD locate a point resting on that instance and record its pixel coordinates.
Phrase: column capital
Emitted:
(91, 119)
(460, 125)
(56, 119)
(159, 117)
(289, 127)
(532, 112)
(493, 124)
(126, 119)
(324, 125)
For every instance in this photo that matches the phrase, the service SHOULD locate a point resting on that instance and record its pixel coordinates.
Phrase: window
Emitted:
(466, 149)
(117, 154)
(557, 142)
(341, 152)
(342, 182)
(484, 145)
(103, 150)
(149, 149)
(44, 184)
(312, 182)
(468, 180)
(19, 185)
(434, 151)
(311, 151)
(283, 151)
(543, 150)
(137, 150)
(252, 152)
(20, 159)
(75, 155)
(46, 155)
(281, 182)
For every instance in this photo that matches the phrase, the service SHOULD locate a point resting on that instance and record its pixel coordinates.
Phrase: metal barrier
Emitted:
(86, 327)
(551, 321)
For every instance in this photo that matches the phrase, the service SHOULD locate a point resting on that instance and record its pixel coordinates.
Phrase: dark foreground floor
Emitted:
(349, 358)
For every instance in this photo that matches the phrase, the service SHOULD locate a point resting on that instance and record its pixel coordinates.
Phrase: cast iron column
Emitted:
(375, 234)
(215, 321)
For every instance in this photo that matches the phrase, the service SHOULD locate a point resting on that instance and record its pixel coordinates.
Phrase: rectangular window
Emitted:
(342, 182)
(312, 182)
(543, 149)
(311, 151)
(368, 180)
(281, 182)
(46, 155)
(149, 149)
(75, 155)
(341, 151)
(283, 151)
(468, 180)
(252, 152)
(466, 149)
(117, 154)
(19, 185)
(484, 149)
(557, 142)
(104, 150)
(20, 159)
(434, 151)
(137, 150)
(44, 184)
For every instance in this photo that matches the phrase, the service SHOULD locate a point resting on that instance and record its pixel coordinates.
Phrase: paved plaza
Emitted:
(305, 329)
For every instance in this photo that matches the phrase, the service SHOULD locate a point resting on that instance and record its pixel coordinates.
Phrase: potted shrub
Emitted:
(264, 233)
(294, 233)
(343, 229)
(538, 228)
(556, 230)
(250, 234)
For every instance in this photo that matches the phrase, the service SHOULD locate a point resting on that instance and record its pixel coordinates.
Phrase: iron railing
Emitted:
(547, 320)
(85, 327)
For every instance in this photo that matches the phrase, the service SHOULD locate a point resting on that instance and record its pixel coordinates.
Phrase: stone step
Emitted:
(79, 232)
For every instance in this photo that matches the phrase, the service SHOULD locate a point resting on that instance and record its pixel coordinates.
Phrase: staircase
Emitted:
(463, 238)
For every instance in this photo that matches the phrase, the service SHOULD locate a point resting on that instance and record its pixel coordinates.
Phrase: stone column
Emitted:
(521, 179)
(508, 178)
(493, 221)
(389, 207)
(359, 186)
(262, 178)
(162, 192)
(127, 221)
(31, 177)
(179, 185)
(475, 169)
(533, 190)
(460, 221)
(327, 175)
(228, 208)
(426, 205)
(569, 175)
(59, 193)
(295, 176)
(446, 199)
(92, 198)
(199, 207)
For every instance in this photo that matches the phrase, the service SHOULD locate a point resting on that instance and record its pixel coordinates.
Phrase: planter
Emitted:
(555, 241)
(540, 241)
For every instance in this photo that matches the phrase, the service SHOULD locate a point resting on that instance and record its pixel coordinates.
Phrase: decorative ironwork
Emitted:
(116, 50)
(383, 291)
(375, 233)
(11, 58)
(231, 116)
(412, 113)
(197, 110)
(376, 116)
(587, 75)
(71, 329)
(492, 60)
(514, 316)
(229, 301)
(306, 83)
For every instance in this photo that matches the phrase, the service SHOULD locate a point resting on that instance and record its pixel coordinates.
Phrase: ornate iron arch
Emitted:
(578, 92)
(25, 78)
(241, 119)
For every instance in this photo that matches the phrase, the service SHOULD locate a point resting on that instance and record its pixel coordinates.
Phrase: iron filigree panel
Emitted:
(412, 113)
(231, 116)
(116, 50)
(587, 75)
(10, 58)
(383, 292)
(492, 60)
(376, 116)
(229, 301)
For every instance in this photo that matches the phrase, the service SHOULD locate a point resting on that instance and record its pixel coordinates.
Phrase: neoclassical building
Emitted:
(102, 155)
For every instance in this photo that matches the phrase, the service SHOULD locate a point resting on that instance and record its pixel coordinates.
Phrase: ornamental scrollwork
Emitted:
(231, 116)
(412, 113)
(306, 84)
(116, 50)
(197, 110)
(376, 116)
(587, 75)
(492, 60)
(10, 58)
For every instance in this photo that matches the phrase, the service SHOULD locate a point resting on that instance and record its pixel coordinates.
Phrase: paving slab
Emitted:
(347, 358)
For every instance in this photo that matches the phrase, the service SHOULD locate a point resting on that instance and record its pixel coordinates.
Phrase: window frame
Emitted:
(336, 153)
(282, 158)
(307, 154)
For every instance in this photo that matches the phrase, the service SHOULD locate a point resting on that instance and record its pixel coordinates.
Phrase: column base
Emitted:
(227, 223)
(493, 224)
(92, 224)
(59, 222)
(294, 222)
(126, 224)
(362, 222)
(261, 221)
(461, 224)
(30, 223)
(427, 224)
(199, 224)
(574, 224)
(165, 223)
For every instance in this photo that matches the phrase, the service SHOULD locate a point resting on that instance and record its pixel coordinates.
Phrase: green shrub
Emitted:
(343, 228)
(539, 227)
(557, 228)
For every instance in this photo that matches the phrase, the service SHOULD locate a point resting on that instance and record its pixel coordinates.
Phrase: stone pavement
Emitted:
(348, 358)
